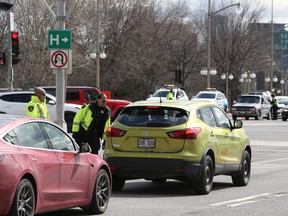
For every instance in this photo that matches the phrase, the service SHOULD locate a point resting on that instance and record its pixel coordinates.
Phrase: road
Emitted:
(266, 194)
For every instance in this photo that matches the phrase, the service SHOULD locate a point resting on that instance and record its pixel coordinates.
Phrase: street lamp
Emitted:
(272, 42)
(210, 14)
(247, 77)
(226, 77)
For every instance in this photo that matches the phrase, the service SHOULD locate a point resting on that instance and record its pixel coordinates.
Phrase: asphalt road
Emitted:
(265, 195)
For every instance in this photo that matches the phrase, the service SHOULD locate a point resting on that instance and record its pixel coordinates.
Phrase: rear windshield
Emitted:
(161, 93)
(152, 116)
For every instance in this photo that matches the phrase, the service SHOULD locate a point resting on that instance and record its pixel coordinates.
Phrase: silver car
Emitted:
(256, 106)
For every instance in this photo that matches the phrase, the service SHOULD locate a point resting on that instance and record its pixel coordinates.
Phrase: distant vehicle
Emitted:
(183, 140)
(212, 95)
(284, 113)
(44, 170)
(266, 94)
(15, 103)
(282, 101)
(255, 106)
(85, 94)
(161, 94)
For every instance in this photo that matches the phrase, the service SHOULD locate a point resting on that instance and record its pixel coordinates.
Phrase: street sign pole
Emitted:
(60, 73)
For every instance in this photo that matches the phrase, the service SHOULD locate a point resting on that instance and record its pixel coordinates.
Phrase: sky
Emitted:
(280, 8)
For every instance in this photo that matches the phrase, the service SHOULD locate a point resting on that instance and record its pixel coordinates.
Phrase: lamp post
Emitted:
(282, 82)
(210, 14)
(247, 77)
(227, 77)
(272, 41)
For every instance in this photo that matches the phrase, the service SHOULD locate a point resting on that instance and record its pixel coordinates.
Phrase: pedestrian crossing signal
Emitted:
(2, 58)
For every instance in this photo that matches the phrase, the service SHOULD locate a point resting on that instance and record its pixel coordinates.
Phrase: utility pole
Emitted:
(9, 50)
(60, 73)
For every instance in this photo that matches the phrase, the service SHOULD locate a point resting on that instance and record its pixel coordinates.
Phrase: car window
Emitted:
(161, 93)
(90, 95)
(73, 95)
(20, 98)
(152, 116)
(206, 95)
(30, 135)
(58, 139)
(207, 116)
(222, 119)
(11, 138)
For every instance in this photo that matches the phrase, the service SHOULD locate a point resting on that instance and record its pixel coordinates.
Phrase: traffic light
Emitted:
(15, 47)
(2, 58)
(15, 44)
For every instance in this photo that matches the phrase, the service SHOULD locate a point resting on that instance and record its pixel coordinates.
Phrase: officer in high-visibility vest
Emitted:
(274, 106)
(90, 123)
(37, 106)
(170, 95)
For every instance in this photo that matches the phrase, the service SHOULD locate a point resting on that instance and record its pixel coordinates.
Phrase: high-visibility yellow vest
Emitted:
(36, 108)
(84, 118)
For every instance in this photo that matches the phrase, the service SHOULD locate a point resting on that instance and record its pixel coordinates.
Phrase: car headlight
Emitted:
(285, 110)
(252, 109)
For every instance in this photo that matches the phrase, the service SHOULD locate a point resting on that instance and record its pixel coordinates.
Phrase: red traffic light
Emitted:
(14, 35)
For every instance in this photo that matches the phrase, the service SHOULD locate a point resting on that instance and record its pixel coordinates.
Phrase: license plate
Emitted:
(146, 143)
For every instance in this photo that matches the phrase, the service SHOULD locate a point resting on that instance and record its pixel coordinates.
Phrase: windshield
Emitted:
(206, 95)
(249, 99)
(160, 93)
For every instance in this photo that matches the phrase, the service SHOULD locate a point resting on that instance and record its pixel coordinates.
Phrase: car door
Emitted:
(44, 162)
(230, 147)
(75, 169)
(15, 103)
(265, 106)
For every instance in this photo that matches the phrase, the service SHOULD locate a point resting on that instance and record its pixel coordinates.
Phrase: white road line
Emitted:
(242, 200)
(268, 161)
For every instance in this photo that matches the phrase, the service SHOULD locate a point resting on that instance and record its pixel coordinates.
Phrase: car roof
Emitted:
(173, 103)
(73, 87)
(25, 92)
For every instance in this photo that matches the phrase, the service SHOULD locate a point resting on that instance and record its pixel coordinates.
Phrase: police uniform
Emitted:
(90, 124)
(36, 108)
(274, 108)
(170, 95)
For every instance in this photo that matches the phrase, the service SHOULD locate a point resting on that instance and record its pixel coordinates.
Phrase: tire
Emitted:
(258, 115)
(159, 180)
(69, 121)
(117, 183)
(246, 117)
(204, 185)
(24, 200)
(101, 194)
(242, 178)
(284, 119)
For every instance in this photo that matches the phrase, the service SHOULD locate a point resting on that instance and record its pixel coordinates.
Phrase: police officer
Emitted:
(90, 123)
(170, 95)
(274, 107)
(37, 106)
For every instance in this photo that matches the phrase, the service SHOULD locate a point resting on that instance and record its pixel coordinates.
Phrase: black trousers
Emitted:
(274, 112)
(88, 137)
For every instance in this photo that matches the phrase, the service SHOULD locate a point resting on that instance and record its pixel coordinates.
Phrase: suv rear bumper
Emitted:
(149, 168)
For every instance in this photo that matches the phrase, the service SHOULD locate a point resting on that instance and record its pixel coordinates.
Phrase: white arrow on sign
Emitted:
(65, 39)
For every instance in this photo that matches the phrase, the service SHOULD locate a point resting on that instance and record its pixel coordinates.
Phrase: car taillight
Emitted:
(189, 133)
(114, 132)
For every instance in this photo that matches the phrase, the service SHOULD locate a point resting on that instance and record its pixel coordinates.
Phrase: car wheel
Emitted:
(69, 121)
(204, 185)
(284, 119)
(101, 194)
(159, 180)
(243, 177)
(24, 199)
(246, 117)
(117, 183)
(258, 115)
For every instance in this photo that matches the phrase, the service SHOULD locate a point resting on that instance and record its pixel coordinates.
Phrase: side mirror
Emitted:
(84, 148)
(237, 123)
(51, 102)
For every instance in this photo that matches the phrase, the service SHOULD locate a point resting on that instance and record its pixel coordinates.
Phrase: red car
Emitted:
(43, 169)
(86, 94)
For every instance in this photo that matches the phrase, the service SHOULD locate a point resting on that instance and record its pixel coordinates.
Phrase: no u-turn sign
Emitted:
(59, 59)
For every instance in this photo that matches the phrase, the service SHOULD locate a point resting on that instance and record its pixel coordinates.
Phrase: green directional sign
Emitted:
(59, 39)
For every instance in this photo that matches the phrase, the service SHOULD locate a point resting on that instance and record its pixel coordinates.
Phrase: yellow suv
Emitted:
(183, 140)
